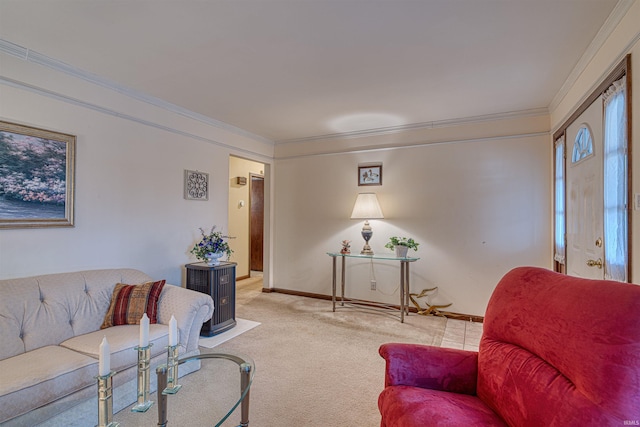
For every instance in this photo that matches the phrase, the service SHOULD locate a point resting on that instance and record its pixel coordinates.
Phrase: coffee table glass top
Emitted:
(208, 397)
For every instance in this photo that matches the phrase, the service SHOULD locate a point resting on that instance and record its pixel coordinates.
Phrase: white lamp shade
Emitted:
(367, 207)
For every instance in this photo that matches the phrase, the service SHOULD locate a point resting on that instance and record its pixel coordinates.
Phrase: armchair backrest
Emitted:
(560, 350)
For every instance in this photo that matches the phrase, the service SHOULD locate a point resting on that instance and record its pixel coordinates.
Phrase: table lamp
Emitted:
(367, 207)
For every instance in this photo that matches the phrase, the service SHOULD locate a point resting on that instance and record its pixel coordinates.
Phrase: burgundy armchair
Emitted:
(556, 350)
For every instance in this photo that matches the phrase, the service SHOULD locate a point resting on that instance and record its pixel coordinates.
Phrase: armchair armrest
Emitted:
(435, 368)
(190, 308)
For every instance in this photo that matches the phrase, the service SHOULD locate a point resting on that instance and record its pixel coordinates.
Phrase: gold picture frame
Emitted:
(37, 177)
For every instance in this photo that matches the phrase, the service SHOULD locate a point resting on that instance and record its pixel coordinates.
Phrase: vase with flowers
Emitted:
(212, 247)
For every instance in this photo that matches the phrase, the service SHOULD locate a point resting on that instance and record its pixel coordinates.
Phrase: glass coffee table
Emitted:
(208, 397)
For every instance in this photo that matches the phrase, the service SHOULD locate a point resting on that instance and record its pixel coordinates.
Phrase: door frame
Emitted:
(623, 69)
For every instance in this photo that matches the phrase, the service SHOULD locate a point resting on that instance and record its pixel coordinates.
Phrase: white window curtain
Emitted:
(615, 183)
(559, 239)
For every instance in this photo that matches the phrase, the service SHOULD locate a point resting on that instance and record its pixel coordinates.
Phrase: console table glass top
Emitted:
(389, 257)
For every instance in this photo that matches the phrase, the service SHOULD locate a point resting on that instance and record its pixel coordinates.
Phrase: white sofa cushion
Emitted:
(42, 375)
(122, 340)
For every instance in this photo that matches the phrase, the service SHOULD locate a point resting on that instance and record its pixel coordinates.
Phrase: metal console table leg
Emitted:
(371, 305)
(333, 295)
(404, 280)
(343, 272)
(402, 292)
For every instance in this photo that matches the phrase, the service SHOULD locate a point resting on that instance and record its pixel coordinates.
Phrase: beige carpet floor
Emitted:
(314, 367)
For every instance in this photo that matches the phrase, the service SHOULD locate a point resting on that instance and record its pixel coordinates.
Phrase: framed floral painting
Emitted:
(36, 177)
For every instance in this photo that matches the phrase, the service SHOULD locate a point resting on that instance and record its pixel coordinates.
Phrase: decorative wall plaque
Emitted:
(196, 185)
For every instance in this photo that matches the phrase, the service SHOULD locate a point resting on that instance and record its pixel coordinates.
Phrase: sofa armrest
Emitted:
(190, 308)
(435, 368)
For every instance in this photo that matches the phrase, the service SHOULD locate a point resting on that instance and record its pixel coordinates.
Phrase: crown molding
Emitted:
(54, 64)
(614, 18)
(419, 126)
(84, 104)
(371, 149)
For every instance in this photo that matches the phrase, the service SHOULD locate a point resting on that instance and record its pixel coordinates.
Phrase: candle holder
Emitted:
(172, 371)
(105, 401)
(144, 357)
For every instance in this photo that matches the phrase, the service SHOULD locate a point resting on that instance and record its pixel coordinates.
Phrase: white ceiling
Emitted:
(292, 69)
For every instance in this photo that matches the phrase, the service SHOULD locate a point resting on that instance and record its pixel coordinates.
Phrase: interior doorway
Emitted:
(247, 216)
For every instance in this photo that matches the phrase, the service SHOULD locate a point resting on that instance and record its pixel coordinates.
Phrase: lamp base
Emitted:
(366, 250)
(367, 232)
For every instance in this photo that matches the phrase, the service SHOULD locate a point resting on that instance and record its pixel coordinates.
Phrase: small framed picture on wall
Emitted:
(370, 174)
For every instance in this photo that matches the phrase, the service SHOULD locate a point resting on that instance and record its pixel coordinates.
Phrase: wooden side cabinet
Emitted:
(219, 281)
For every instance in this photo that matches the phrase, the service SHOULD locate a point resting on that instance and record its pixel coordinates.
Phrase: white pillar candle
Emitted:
(104, 362)
(144, 330)
(173, 331)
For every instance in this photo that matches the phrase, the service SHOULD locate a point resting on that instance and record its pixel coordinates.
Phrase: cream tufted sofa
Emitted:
(50, 335)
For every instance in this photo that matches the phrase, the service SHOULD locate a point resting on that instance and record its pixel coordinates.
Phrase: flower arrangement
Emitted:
(402, 241)
(211, 243)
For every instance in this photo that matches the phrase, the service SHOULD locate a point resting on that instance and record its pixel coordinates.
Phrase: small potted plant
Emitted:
(212, 247)
(402, 245)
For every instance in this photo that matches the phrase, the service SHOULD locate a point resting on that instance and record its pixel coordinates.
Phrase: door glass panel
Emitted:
(615, 183)
(559, 253)
(583, 145)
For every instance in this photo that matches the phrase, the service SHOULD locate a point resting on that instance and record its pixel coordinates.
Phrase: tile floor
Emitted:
(461, 334)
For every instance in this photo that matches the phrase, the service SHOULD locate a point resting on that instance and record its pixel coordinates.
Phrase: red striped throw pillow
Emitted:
(129, 302)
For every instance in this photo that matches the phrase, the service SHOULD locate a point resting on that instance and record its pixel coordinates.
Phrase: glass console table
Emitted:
(209, 396)
(351, 302)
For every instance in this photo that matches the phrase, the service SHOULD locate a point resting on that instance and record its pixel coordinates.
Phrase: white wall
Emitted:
(625, 39)
(478, 208)
(129, 204)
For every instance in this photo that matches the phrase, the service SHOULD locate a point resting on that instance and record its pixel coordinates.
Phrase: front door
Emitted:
(585, 246)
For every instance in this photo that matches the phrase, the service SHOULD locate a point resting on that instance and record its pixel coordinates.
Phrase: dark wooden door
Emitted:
(256, 222)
